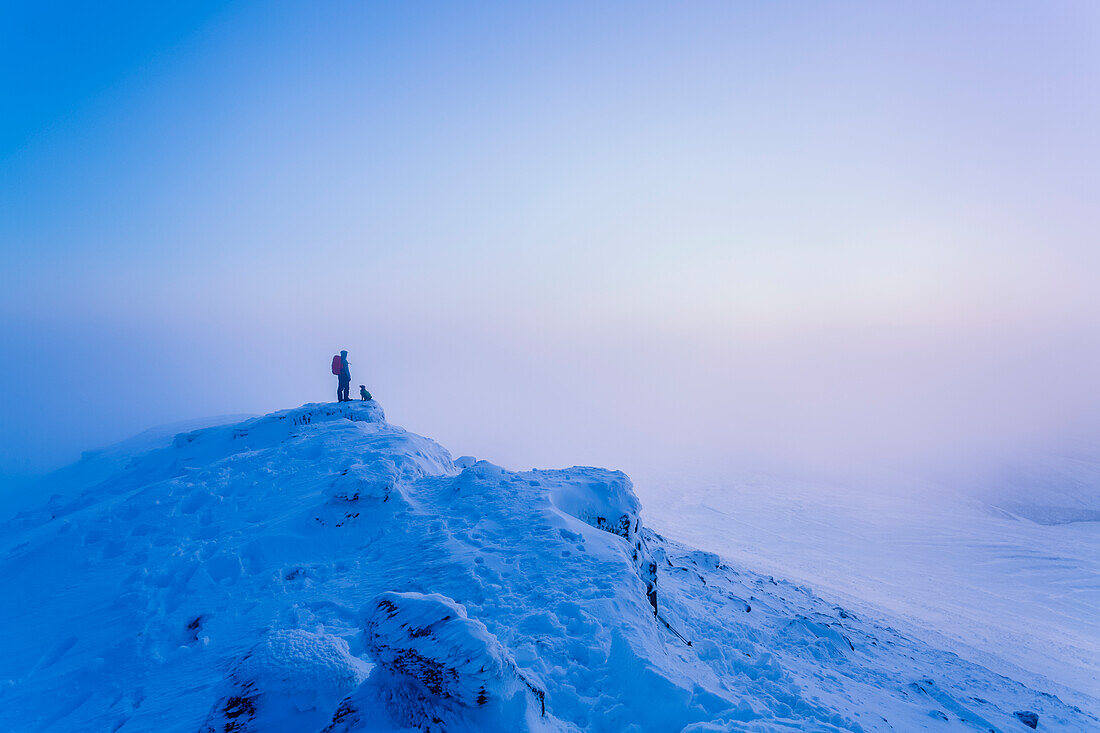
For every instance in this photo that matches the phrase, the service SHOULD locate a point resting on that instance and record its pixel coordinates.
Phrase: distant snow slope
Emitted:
(319, 569)
(1058, 485)
(96, 465)
(1021, 597)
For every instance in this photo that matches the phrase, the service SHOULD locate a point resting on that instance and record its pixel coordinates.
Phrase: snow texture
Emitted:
(318, 569)
(438, 670)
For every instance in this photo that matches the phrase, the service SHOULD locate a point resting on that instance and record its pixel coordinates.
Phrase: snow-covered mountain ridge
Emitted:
(318, 569)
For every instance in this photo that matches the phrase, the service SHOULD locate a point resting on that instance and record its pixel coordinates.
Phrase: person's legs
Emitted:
(342, 391)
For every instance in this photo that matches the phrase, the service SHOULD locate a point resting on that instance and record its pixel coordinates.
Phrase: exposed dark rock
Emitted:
(436, 669)
(1028, 718)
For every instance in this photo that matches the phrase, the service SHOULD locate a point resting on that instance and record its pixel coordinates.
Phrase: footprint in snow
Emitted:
(56, 653)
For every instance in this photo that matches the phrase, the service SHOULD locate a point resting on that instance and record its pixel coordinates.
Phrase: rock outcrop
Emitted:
(437, 670)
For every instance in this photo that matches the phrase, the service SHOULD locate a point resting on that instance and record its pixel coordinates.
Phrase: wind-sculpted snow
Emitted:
(438, 670)
(605, 500)
(320, 569)
(290, 674)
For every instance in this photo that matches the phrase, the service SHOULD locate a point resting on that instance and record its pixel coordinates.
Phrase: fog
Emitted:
(835, 401)
(676, 243)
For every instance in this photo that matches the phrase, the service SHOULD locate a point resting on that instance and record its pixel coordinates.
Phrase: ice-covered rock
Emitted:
(437, 670)
(1028, 718)
(290, 681)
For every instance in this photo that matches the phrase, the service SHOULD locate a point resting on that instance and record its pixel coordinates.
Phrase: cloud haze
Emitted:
(559, 234)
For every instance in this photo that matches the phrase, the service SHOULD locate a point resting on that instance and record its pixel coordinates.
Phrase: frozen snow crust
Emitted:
(318, 569)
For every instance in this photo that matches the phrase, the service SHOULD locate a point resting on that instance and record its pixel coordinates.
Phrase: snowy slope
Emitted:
(96, 465)
(1021, 597)
(320, 569)
(1058, 485)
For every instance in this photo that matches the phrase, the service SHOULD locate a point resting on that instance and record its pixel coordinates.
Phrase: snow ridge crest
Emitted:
(319, 569)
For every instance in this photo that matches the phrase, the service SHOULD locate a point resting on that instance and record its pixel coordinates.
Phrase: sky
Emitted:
(638, 235)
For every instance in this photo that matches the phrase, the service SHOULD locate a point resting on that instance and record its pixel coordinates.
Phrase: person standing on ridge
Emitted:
(341, 367)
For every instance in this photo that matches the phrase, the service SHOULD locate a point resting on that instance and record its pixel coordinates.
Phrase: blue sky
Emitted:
(536, 226)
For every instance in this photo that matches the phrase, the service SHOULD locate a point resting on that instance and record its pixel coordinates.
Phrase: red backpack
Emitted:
(337, 365)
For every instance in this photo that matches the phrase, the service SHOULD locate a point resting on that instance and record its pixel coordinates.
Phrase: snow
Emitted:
(1018, 596)
(321, 569)
(97, 465)
(438, 670)
(290, 679)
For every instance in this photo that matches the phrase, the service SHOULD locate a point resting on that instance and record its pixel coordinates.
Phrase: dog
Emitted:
(363, 392)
